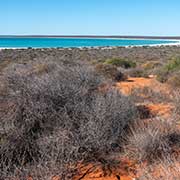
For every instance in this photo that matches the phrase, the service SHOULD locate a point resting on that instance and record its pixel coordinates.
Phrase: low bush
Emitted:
(110, 72)
(121, 63)
(174, 80)
(150, 65)
(59, 117)
(176, 98)
(168, 69)
(162, 75)
(152, 142)
(4, 64)
(165, 170)
(173, 65)
(137, 72)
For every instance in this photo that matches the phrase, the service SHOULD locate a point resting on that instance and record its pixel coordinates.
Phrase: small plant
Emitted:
(111, 72)
(174, 80)
(150, 65)
(162, 75)
(137, 72)
(152, 142)
(121, 63)
(4, 64)
(169, 69)
(173, 65)
(167, 169)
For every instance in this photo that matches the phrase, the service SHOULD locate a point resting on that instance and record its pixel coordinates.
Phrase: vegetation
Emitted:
(153, 142)
(174, 80)
(110, 72)
(63, 108)
(59, 116)
(169, 69)
(121, 63)
(165, 170)
(137, 72)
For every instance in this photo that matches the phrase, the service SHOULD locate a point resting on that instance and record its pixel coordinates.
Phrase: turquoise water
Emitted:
(74, 42)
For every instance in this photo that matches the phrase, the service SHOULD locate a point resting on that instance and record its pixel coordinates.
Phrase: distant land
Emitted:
(89, 36)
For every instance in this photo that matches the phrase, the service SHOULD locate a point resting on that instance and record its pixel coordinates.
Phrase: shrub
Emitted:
(4, 64)
(60, 117)
(150, 65)
(121, 63)
(144, 112)
(152, 142)
(111, 72)
(173, 65)
(162, 75)
(165, 170)
(168, 69)
(137, 72)
(176, 98)
(174, 80)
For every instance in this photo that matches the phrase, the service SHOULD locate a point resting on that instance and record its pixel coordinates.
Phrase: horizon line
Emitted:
(95, 36)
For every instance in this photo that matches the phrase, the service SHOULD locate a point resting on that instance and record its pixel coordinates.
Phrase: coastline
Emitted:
(177, 44)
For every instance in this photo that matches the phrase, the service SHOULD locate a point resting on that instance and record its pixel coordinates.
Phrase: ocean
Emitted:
(13, 42)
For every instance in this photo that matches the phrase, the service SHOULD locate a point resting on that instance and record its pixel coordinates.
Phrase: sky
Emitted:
(90, 17)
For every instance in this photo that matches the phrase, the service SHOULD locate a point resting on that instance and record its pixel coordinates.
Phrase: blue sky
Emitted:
(90, 17)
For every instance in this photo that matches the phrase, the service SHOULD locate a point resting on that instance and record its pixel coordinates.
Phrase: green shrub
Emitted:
(121, 63)
(173, 65)
(168, 69)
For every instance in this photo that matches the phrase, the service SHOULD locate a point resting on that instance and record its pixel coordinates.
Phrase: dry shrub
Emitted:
(151, 142)
(3, 87)
(59, 117)
(144, 112)
(174, 80)
(168, 169)
(4, 64)
(110, 72)
(176, 98)
(151, 65)
(137, 72)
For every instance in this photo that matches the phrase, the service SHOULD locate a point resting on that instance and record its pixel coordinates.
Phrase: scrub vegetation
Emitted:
(64, 109)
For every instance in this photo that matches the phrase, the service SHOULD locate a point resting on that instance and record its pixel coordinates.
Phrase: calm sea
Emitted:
(75, 42)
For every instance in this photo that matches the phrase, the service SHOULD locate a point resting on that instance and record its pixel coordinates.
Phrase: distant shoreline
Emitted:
(91, 36)
(97, 47)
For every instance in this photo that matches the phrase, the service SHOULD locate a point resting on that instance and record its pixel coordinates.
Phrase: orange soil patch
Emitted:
(126, 87)
(56, 178)
(125, 170)
(163, 110)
